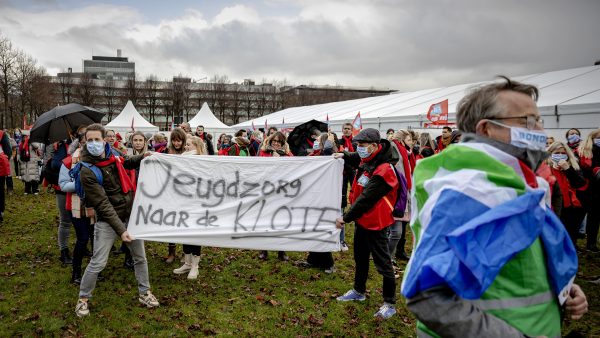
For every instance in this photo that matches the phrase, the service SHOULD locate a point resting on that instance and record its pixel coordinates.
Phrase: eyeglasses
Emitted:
(531, 121)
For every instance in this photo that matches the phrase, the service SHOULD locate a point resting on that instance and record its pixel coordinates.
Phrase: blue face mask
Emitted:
(558, 157)
(363, 152)
(597, 142)
(574, 138)
(316, 145)
(95, 148)
(525, 138)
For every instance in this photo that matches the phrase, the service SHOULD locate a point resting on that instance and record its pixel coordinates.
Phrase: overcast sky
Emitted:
(404, 45)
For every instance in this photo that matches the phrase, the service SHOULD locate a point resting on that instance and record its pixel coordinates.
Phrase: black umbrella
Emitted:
(297, 137)
(56, 124)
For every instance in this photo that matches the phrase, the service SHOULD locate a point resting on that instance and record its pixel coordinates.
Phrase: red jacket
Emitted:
(569, 193)
(380, 216)
(4, 164)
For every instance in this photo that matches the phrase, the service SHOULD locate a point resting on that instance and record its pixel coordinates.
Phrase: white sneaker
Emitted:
(186, 267)
(148, 299)
(345, 246)
(81, 309)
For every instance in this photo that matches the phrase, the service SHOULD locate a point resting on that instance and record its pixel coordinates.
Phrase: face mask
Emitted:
(363, 152)
(573, 138)
(597, 142)
(525, 138)
(316, 145)
(558, 157)
(95, 147)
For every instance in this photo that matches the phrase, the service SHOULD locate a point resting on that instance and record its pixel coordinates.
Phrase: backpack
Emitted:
(75, 174)
(51, 169)
(399, 206)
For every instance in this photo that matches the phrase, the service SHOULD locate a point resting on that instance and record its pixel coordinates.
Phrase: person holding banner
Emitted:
(374, 192)
(275, 146)
(491, 258)
(112, 201)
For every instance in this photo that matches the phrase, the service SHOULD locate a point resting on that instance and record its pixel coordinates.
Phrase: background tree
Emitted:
(151, 96)
(8, 58)
(86, 90)
(110, 94)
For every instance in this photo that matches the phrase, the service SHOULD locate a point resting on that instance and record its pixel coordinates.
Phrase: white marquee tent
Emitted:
(568, 98)
(129, 117)
(211, 123)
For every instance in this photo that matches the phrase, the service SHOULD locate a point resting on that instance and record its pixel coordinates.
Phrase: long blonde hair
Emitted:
(571, 157)
(585, 148)
(199, 145)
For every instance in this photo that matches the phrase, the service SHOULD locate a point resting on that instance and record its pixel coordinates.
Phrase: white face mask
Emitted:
(525, 138)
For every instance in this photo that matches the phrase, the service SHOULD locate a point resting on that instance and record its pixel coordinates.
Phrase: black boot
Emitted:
(65, 257)
(128, 263)
(76, 276)
(400, 253)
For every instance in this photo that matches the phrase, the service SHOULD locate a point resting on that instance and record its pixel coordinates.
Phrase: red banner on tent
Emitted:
(438, 113)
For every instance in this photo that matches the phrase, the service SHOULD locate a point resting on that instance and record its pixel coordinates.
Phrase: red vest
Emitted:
(380, 215)
(4, 164)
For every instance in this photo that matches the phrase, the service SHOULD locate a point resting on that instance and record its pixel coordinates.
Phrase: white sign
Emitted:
(268, 203)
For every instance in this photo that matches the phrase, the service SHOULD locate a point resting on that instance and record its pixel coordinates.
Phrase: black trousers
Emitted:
(2, 201)
(571, 219)
(31, 187)
(591, 227)
(321, 260)
(375, 243)
(191, 249)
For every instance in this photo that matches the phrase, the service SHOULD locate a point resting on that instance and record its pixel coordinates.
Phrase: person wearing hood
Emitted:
(240, 145)
(112, 201)
(491, 258)
(374, 192)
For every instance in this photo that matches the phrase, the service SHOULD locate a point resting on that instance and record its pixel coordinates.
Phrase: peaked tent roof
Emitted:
(562, 92)
(206, 118)
(124, 120)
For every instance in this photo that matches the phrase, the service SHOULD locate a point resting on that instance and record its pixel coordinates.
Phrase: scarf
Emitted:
(124, 176)
(158, 147)
(24, 148)
(348, 143)
(569, 197)
(405, 163)
(310, 142)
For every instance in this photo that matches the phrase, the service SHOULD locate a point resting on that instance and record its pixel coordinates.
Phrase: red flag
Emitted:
(266, 125)
(356, 125)
(327, 121)
(253, 127)
(438, 113)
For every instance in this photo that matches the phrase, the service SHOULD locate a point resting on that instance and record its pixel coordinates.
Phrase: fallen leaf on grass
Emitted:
(315, 321)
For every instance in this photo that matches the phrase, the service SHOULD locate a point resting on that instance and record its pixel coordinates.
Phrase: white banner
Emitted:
(283, 203)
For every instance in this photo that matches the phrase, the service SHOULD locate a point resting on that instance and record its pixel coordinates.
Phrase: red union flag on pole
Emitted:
(356, 125)
(438, 113)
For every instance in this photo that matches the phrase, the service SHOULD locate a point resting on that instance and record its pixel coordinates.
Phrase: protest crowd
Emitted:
(492, 180)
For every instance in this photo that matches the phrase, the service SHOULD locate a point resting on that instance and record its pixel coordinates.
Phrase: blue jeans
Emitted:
(83, 230)
(104, 238)
(394, 235)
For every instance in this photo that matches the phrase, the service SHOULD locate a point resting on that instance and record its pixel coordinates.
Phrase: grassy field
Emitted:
(235, 294)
